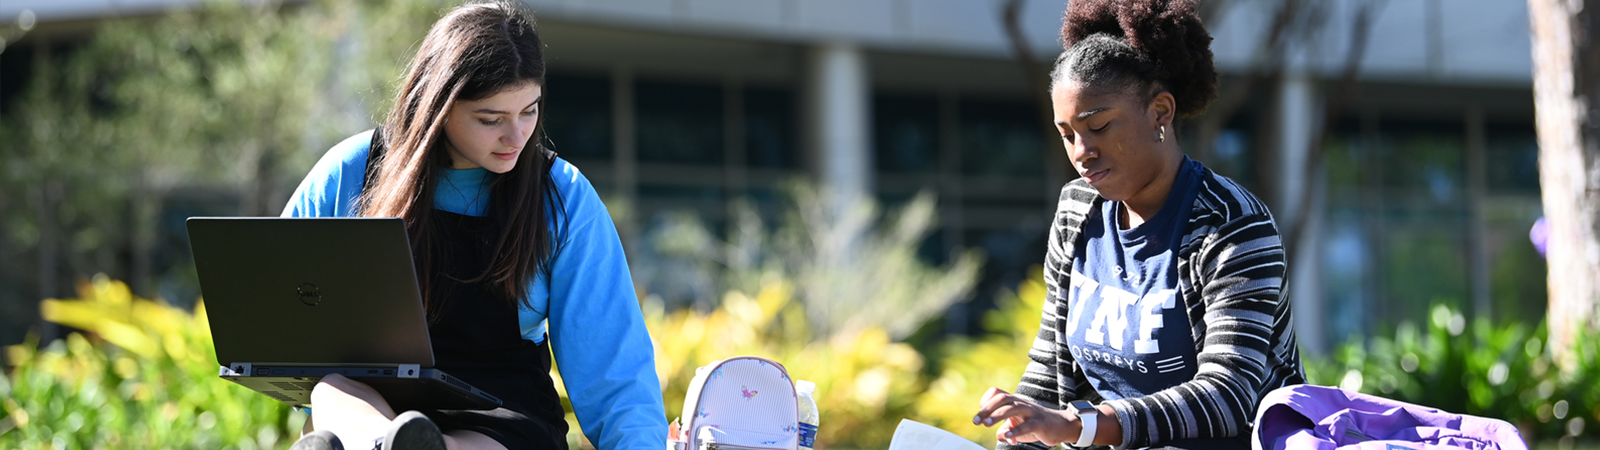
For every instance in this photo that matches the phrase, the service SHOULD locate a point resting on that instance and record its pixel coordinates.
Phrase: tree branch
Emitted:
(1360, 31)
(1267, 63)
(1037, 75)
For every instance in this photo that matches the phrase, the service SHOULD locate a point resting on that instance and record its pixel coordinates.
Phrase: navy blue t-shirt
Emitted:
(1126, 323)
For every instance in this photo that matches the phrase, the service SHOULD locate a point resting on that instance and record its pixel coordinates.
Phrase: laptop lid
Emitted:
(310, 291)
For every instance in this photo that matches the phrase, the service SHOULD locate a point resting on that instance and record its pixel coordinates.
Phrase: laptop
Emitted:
(291, 300)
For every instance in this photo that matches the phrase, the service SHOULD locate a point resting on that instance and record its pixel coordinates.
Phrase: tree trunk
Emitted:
(1058, 170)
(1566, 86)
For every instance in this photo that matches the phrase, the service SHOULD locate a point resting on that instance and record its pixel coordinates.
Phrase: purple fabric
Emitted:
(1324, 418)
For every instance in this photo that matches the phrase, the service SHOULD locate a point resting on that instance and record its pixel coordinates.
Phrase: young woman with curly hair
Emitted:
(516, 256)
(1164, 319)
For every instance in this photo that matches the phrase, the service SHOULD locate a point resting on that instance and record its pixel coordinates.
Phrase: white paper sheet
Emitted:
(912, 435)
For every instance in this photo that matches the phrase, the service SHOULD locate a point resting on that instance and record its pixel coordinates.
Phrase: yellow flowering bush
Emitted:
(143, 374)
(973, 365)
(865, 381)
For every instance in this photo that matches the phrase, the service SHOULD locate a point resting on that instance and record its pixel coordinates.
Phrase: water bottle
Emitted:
(808, 413)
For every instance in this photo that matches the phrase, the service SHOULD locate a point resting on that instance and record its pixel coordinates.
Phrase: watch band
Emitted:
(1090, 417)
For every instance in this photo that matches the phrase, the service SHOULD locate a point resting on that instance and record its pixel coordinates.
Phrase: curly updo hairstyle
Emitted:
(1139, 46)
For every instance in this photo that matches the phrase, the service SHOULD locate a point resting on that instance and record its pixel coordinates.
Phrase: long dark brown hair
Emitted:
(474, 52)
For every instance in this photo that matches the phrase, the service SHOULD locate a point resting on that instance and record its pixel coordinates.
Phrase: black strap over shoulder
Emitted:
(373, 154)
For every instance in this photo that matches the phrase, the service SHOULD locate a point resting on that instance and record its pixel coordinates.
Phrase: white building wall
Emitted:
(1458, 41)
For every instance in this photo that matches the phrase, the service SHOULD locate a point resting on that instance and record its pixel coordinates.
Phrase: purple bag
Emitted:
(1324, 418)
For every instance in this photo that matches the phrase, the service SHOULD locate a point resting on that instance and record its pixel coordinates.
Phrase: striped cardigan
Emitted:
(1231, 268)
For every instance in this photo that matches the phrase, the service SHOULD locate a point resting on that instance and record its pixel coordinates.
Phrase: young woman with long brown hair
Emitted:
(516, 256)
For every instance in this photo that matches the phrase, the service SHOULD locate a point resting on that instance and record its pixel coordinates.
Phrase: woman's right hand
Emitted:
(1023, 420)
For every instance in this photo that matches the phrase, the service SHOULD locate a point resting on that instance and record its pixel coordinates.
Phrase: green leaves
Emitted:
(142, 375)
(852, 269)
(1476, 367)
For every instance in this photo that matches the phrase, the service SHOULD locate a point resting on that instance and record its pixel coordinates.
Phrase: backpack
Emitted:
(1327, 418)
(742, 402)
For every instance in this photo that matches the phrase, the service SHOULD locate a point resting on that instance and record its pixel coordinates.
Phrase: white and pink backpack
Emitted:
(742, 402)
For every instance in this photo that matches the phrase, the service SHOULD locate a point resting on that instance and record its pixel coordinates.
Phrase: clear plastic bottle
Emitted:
(808, 413)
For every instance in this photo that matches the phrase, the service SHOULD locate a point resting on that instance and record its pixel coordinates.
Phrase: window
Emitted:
(679, 123)
(577, 118)
(1001, 139)
(770, 140)
(906, 134)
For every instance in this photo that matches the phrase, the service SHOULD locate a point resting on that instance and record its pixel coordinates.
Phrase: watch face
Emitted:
(1081, 405)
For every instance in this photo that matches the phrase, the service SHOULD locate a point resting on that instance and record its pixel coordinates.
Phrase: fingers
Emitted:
(1003, 432)
(1021, 419)
(991, 400)
(998, 405)
(1017, 411)
(1019, 430)
(1044, 426)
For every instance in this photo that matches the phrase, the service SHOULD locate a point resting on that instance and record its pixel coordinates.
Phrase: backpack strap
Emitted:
(374, 155)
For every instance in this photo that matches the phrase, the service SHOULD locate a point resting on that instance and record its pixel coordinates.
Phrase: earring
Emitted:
(1162, 136)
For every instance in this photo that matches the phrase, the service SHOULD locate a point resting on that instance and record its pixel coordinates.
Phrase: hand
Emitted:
(1023, 420)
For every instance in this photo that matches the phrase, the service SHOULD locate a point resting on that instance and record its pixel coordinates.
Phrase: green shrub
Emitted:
(832, 295)
(1500, 371)
(865, 381)
(142, 375)
(970, 366)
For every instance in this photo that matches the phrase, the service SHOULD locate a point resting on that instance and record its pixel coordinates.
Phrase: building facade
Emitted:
(1422, 190)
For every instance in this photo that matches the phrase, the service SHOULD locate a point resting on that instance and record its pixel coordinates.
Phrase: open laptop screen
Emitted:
(310, 291)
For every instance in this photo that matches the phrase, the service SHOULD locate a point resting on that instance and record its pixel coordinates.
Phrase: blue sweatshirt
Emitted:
(597, 333)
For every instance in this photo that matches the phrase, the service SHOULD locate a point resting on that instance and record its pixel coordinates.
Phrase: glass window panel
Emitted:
(1423, 159)
(1341, 157)
(1395, 238)
(1001, 139)
(769, 135)
(906, 131)
(578, 116)
(1346, 263)
(1513, 160)
(1233, 156)
(679, 123)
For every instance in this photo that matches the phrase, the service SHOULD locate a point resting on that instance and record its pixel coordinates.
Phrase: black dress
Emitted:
(476, 337)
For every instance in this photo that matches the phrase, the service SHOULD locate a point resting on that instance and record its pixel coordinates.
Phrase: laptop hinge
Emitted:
(409, 370)
(236, 369)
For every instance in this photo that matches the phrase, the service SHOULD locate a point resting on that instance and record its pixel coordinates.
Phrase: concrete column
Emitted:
(1297, 116)
(838, 120)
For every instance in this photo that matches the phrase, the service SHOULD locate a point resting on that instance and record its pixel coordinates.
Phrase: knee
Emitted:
(340, 392)
(332, 385)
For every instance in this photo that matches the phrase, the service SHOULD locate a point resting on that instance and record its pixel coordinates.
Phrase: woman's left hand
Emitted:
(1024, 420)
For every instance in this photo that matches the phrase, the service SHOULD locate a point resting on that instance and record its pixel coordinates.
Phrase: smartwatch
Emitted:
(1089, 416)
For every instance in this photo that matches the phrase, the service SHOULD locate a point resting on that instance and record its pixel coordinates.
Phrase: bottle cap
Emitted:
(805, 387)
